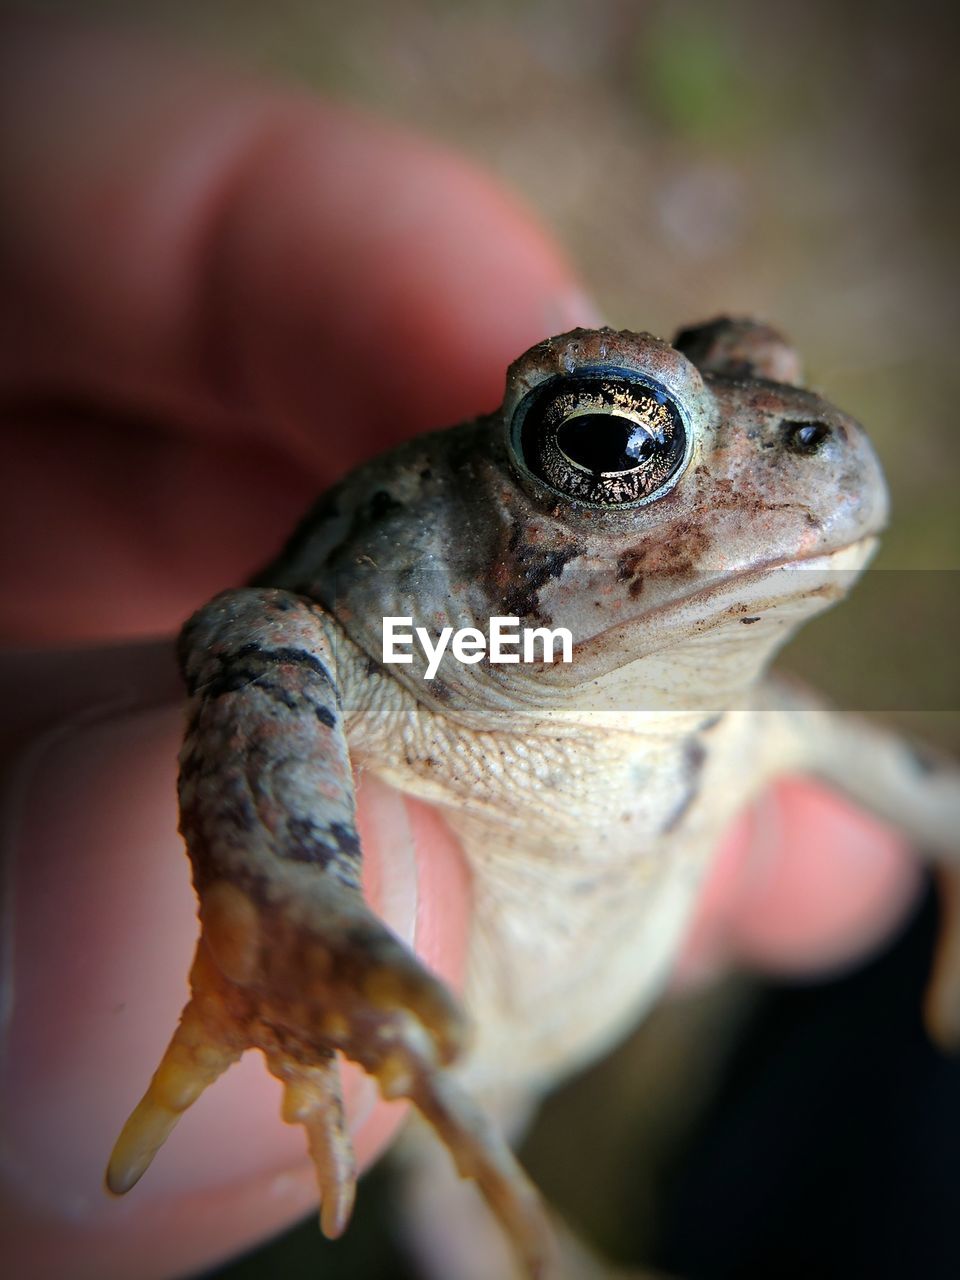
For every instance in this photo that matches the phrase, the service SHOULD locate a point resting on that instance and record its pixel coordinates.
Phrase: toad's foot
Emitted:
(398, 1023)
(291, 960)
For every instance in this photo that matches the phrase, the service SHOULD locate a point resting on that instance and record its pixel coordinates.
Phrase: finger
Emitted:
(262, 271)
(123, 531)
(805, 883)
(183, 239)
(104, 925)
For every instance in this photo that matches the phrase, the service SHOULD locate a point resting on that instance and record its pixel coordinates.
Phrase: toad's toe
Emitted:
(312, 1098)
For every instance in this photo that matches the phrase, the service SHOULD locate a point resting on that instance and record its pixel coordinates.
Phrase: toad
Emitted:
(679, 510)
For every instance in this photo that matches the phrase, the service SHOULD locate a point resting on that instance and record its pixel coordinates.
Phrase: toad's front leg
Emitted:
(290, 959)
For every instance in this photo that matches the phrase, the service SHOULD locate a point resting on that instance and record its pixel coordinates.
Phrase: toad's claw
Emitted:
(200, 1051)
(312, 1097)
(147, 1129)
(217, 1024)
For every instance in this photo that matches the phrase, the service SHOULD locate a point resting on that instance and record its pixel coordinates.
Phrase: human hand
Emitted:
(206, 277)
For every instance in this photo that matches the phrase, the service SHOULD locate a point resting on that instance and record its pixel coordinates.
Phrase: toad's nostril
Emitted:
(805, 437)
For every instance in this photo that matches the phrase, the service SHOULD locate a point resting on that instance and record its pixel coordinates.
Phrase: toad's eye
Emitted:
(605, 439)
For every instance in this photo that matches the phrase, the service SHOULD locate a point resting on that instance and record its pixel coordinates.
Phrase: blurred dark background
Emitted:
(797, 163)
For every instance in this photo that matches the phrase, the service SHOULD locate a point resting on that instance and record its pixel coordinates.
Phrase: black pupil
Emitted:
(605, 442)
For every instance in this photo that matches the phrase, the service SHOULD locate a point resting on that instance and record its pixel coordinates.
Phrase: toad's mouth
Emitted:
(724, 599)
(686, 649)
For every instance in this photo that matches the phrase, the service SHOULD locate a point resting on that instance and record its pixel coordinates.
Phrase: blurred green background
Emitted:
(798, 163)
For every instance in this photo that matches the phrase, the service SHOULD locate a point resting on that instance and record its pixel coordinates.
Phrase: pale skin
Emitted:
(132, 355)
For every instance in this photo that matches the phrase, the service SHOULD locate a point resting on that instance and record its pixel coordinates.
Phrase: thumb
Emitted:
(103, 925)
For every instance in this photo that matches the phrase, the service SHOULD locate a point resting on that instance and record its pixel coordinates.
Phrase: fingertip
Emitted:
(371, 280)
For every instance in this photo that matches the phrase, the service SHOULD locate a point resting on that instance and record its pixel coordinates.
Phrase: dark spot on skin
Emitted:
(676, 553)
(298, 657)
(305, 842)
(382, 504)
(279, 693)
(230, 681)
(371, 667)
(924, 761)
(240, 813)
(629, 569)
(234, 816)
(746, 621)
(235, 677)
(694, 755)
(530, 567)
(326, 717)
(302, 843)
(347, 840)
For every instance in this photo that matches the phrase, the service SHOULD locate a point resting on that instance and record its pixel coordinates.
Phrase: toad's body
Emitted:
(680, 512)
(567, 951)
